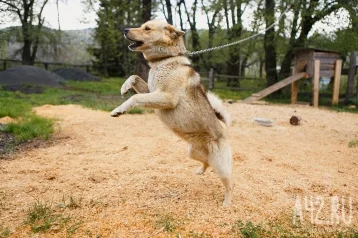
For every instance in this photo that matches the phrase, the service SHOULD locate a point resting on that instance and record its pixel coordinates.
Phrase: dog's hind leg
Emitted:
(199, 154)
(220, 159)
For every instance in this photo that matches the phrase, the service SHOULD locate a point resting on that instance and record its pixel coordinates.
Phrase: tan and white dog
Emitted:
(175, 92)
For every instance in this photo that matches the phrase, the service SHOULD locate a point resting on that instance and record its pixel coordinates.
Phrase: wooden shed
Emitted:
(317, 63)
(309, 63)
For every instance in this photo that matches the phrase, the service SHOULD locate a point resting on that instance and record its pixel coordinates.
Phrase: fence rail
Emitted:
(229, 82)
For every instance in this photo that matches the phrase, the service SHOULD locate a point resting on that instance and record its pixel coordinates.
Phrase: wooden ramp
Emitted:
(275, 87)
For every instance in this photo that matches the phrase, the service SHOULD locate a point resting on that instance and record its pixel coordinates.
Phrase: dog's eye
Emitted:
(147, 28)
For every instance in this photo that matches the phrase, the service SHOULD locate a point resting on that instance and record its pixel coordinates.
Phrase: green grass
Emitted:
(41, 218)
(251, 230)
(30, 127)
(166, 222)
(108, 86)
(353, 144)
(4, 232)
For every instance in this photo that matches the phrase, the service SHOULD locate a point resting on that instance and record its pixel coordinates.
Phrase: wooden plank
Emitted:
(326, 66)
(140, 86)
(328, 60)
(326, 55)
(316, 83)
(337, 82)
(294, 92)
(275, 87)
(326, 73)
(294, 88)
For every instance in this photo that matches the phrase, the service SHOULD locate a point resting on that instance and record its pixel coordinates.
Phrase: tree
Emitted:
(167, 10)
(306, 14)
(269, 44)
(195, 39)
(27, 11)
(236, 9)
(212, 12)
(111, 52)
(142, 68)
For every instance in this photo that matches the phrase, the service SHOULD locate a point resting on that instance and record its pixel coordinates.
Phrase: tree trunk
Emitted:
(169, 11)
(234, 33)
(351, 76)
(180, 15)
(142, 68)
(269, 44)
(195, 41)
(243, 66)
(26, 53)
(262, 62)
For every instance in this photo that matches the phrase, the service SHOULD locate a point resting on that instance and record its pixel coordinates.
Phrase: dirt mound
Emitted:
(75, 74)
(29, 75)
(6, 120)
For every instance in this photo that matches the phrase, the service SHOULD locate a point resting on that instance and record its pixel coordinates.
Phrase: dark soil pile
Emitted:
(29, 75)
(75, 74)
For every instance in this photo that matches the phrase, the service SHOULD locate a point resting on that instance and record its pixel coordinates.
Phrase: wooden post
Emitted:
(4, 65)
(337, 82)
(294, 89)
(294, 92)
(316, 83)
(46, 66)
(211, 79)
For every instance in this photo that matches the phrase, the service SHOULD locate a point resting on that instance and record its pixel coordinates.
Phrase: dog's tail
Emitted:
(219, 109)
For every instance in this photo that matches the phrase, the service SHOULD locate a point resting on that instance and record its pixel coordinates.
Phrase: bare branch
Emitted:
(13, 8)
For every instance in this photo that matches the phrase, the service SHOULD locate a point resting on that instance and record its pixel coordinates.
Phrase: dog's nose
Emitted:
(126, 30)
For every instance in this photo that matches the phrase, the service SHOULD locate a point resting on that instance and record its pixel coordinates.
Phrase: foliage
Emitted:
(112, 56)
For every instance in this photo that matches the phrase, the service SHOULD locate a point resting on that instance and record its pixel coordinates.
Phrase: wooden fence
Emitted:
(230, 82)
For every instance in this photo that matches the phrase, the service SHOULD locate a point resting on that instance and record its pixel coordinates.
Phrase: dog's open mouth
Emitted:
(134, 44)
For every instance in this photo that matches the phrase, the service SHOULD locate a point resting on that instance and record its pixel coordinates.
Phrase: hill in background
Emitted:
(65, 46)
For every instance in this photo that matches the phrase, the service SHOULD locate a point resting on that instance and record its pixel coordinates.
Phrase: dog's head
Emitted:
(156, 39)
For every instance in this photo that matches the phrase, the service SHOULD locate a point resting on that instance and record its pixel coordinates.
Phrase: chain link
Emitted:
(239, 41)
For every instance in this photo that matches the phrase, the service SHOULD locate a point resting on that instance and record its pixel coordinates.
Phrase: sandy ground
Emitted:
(127, 174)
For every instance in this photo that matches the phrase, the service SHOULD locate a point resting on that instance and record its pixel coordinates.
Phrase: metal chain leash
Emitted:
(239, 41)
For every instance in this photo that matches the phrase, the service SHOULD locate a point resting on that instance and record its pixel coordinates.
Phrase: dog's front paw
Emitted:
(117, 112)
(128, 84)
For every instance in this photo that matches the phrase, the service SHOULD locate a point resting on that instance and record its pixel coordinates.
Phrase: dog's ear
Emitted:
(174, 33)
